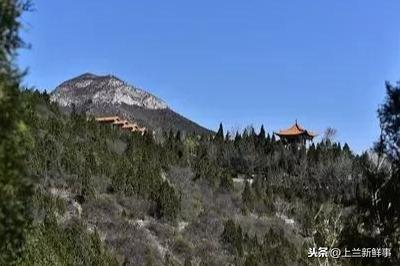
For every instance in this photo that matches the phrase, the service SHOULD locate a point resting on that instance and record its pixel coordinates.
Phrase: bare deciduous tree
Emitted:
(329, 134)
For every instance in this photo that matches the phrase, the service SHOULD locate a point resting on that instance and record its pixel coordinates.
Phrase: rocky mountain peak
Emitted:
(107, 89)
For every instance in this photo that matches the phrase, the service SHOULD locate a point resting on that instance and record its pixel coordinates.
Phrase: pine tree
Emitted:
(237, 140)
(261, 135)
(248, 196)
(187, 262)
(239, 240)
(178, 136)
(268, 138)
(259, 186)
(251, 260)
(15, 184)
(228, 136)
(378, 203)
(389, 117)
(226, 182)
(220, 134)
(233, 236)
(346, 148)
(168, 202)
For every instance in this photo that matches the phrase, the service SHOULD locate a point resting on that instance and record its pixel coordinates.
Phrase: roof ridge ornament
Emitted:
(295, 134)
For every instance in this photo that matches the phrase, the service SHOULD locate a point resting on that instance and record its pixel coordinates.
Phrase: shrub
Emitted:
(167, 201)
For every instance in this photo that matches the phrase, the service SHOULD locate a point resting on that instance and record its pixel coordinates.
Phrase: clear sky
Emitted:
(237, 62)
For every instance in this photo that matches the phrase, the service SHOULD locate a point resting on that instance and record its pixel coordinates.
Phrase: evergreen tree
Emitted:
(168, 202)
(389, 117)
(229, 233)
(15, 184)
(237, 140)
(251, 260)
(205, 167)
(239, 240)
(268, 138)
(220, 134)
(178, 136)
(228, 135)
(261, 135)
(226, 182)
(248, 196)
(233, 237)
(378, 203)
(187, 262)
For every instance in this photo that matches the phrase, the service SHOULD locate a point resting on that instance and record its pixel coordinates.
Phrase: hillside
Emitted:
(108, 95)
(179, 202)
(77, 192)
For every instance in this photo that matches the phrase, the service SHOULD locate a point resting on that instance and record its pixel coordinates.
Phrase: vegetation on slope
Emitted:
(15, 182)
(110, 182)
(74, 192)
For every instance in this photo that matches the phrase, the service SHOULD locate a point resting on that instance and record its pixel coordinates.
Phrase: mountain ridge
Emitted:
(100, 95)
(107, 88)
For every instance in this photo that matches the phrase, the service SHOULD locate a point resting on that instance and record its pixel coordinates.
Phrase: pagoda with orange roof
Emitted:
(295, 134)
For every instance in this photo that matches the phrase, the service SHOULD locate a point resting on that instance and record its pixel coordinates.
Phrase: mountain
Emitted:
(108, 95)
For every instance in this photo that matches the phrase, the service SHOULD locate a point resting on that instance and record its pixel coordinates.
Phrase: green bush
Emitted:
(168, 202)
(52, 244)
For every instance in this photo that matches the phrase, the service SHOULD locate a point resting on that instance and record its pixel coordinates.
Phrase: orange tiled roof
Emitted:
(120, 122)
(107, 119)
(128, 126)
(295, 130)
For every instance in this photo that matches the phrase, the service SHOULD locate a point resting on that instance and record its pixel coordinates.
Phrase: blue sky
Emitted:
(237, 62)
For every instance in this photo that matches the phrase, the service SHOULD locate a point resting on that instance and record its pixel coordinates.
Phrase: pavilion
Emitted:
(295, 134)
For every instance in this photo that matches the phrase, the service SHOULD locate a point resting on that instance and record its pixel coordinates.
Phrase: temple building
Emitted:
(107, 119)
(121, 123)
(295, 134)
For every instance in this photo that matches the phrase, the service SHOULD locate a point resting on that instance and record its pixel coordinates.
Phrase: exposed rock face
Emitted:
(103, 90)
(110, 96)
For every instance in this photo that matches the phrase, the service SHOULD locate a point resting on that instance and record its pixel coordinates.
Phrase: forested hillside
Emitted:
(181, 200)
(74, 192)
